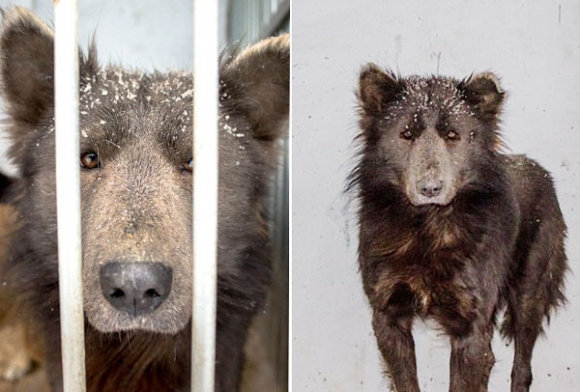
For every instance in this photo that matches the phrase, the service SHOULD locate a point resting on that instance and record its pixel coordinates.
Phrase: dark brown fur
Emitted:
(136, 202)
(450, 228)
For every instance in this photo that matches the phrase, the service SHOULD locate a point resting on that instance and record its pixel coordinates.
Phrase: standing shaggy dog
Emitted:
(450, 228)
(136, 190)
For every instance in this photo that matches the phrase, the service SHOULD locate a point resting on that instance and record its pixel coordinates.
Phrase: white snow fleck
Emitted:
(188, 93)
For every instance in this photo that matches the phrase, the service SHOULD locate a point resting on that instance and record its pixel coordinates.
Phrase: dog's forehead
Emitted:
(434, 94)
(141, 103)
(441, 86)
(116, 86)
(147, 101)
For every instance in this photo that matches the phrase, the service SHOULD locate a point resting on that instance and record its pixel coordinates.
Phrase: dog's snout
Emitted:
(136, 288)
(430, 187)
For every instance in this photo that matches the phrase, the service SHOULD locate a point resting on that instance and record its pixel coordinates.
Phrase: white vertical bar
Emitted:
(205, 180)
(66, 77)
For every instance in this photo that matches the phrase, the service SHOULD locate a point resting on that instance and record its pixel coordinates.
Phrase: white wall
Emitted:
(146, 34)
(535, 47)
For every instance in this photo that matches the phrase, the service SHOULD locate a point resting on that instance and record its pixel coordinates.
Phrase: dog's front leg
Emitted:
(472, 359)
(395, 340)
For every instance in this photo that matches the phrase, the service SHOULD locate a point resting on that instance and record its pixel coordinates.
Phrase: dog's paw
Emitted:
(14, 359)
(16, 368)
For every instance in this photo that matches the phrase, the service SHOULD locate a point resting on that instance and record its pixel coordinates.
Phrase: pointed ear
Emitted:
(483, 93)
(257, 81)
(377, 88)
(26, 65)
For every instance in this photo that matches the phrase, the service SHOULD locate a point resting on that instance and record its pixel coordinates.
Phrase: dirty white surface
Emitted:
(535, 47)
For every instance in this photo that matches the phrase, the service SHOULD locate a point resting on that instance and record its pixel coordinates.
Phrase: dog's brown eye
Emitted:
(89, 160)
(189, 165)
(407, 135)
(452, 135)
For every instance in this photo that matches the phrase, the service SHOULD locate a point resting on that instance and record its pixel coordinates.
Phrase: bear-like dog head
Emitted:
(136, 164)
(424, 135)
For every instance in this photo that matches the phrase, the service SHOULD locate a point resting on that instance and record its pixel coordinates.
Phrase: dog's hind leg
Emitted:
(528, 305)
(524, 341)
(523, 323)
(395, 341)
(533, 292)
(535, 284)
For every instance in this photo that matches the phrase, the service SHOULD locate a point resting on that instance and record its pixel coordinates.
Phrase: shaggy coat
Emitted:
(451, 228)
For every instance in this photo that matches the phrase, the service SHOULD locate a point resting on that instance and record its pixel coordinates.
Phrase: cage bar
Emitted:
(205, 196)
(66, 89)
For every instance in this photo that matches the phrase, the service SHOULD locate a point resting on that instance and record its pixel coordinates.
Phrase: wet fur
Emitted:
(496, 244)
(136, 205)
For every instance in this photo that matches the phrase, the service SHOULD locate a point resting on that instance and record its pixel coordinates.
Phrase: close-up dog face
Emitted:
(136, 165)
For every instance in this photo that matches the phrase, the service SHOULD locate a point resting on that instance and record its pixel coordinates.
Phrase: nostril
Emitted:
(151, 293)
(117, 293)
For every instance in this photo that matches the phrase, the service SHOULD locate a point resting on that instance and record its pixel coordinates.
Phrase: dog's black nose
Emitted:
(136, 288)
(430, 188)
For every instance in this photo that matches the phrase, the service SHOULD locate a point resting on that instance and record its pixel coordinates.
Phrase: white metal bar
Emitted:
(205, 180)
(66, 77)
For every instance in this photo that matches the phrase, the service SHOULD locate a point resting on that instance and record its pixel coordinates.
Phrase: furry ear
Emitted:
(484, 93)
(258, 80)
(26, 65)
(377, 88)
